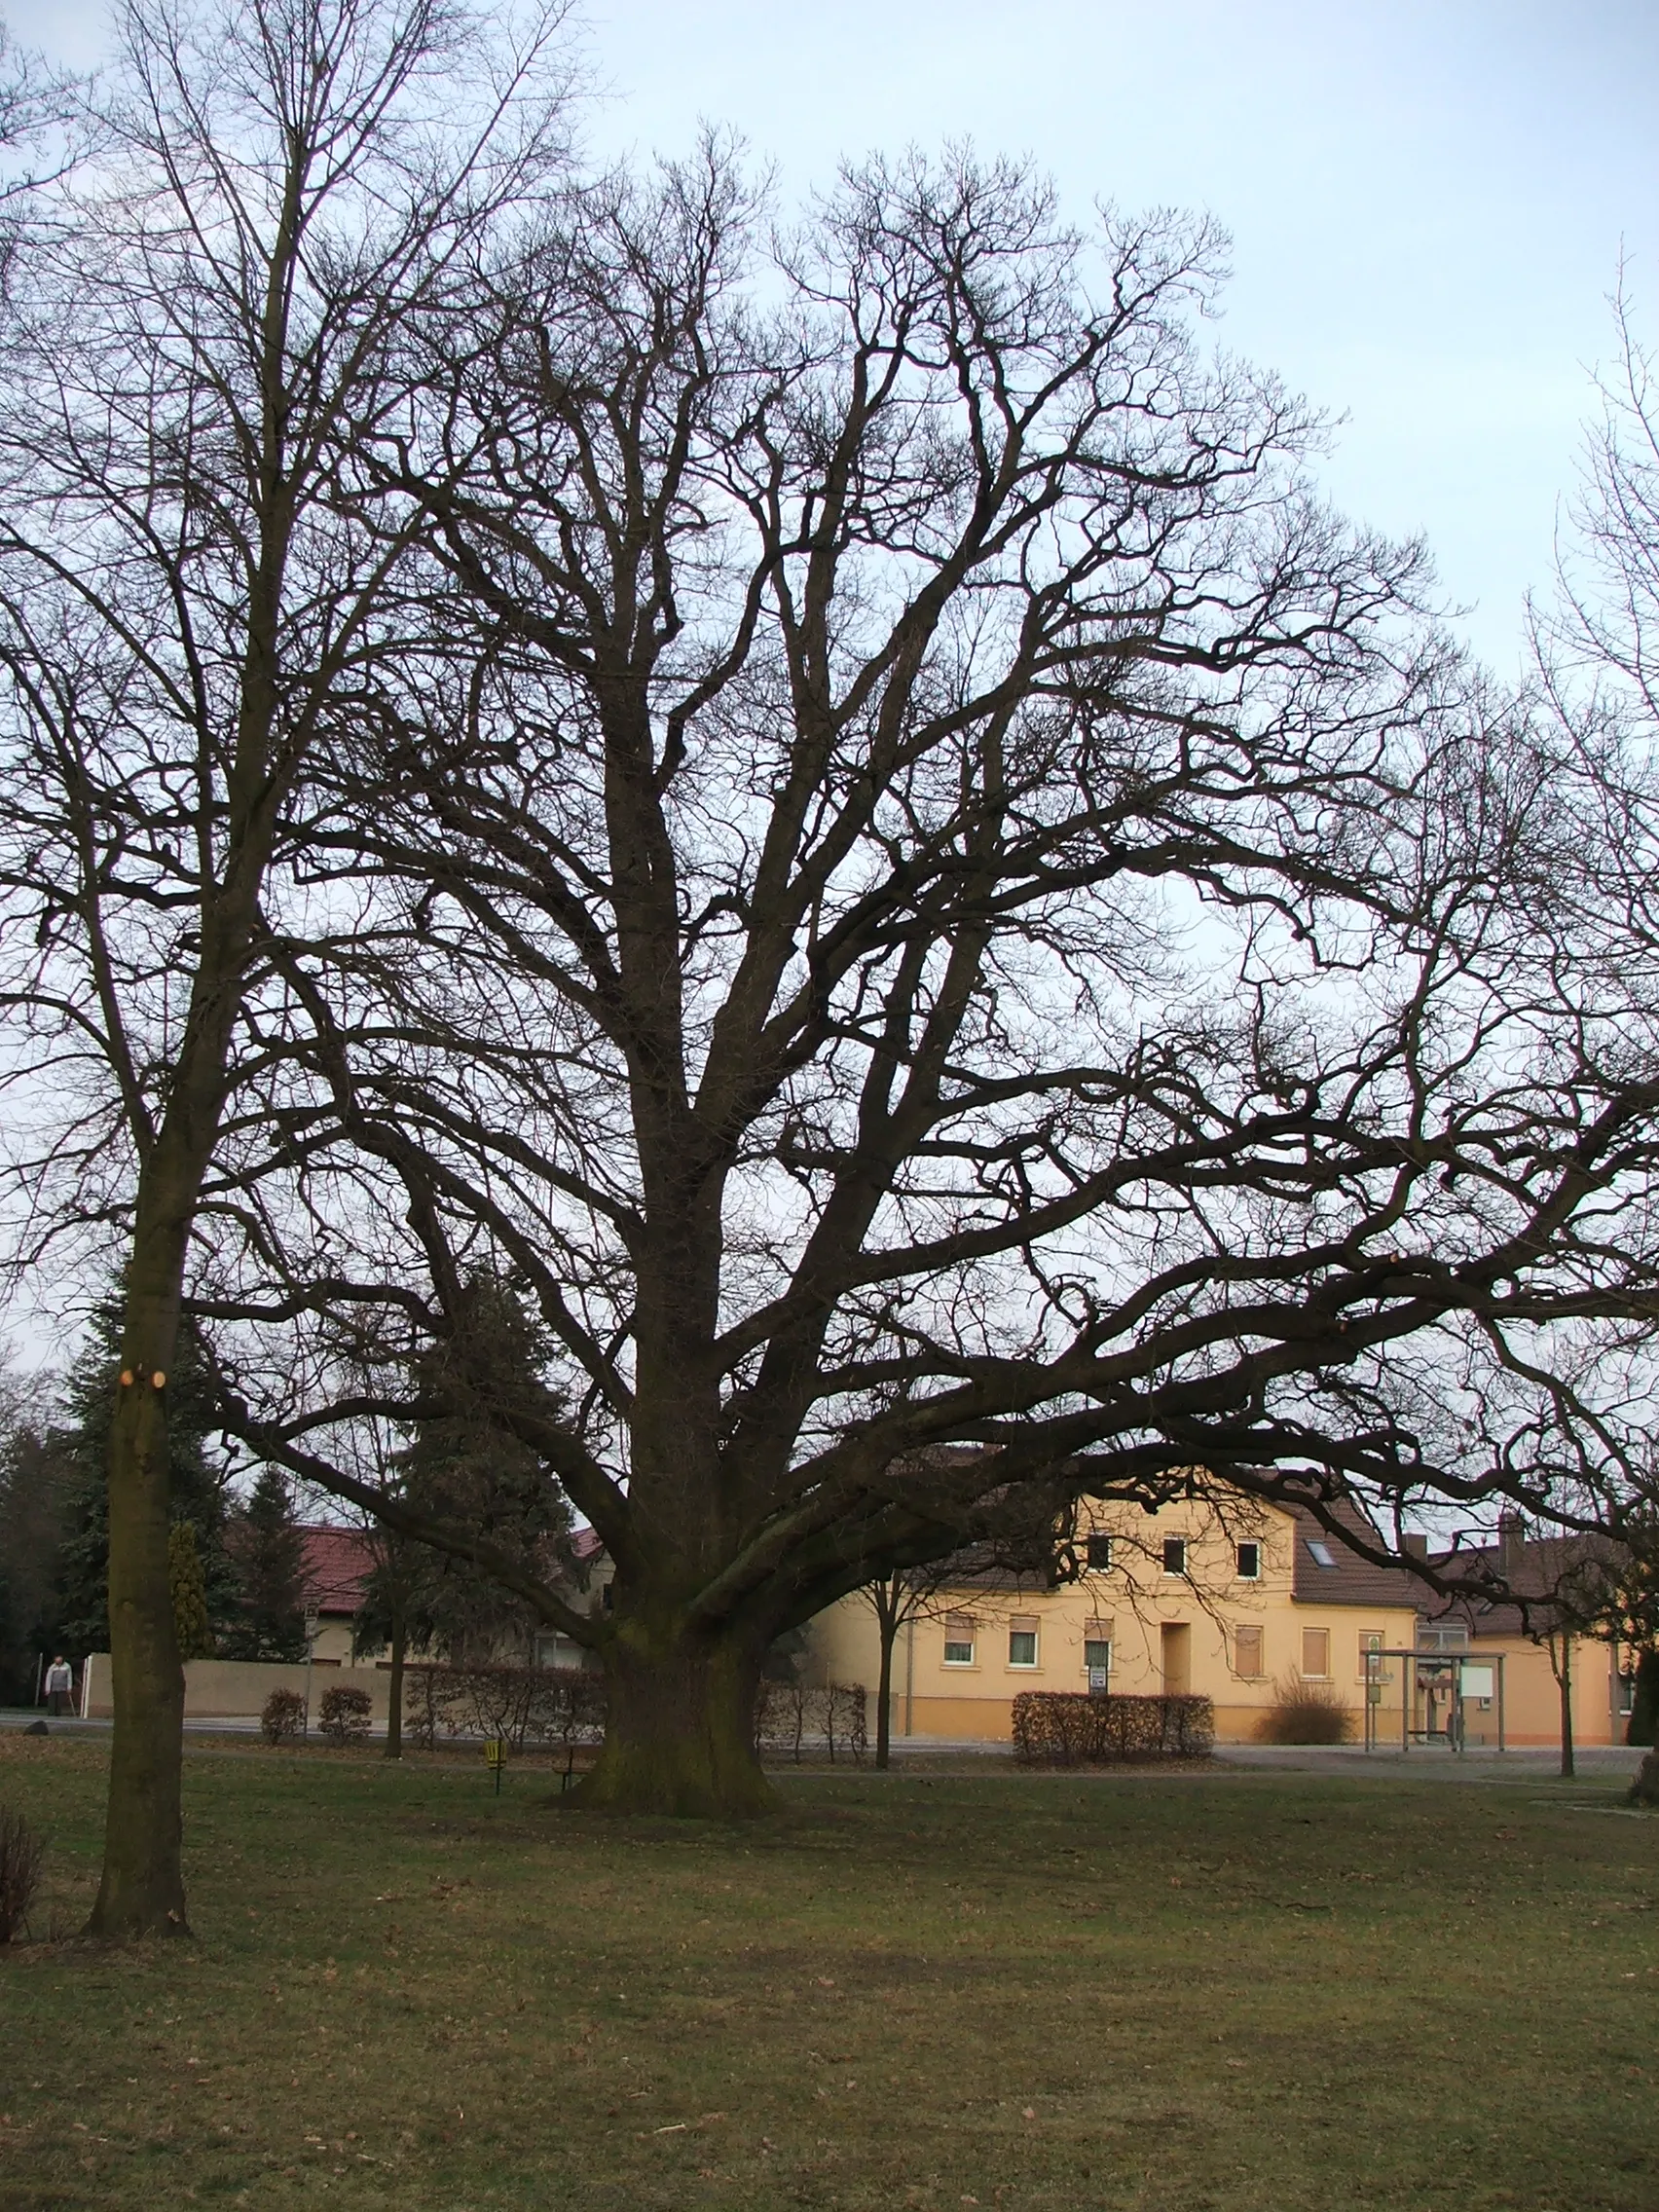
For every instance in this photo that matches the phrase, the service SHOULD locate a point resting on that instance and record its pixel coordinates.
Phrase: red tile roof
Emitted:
(339, 1560)
(338, 1563)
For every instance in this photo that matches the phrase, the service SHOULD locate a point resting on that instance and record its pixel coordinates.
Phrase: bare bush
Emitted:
(1305, 1713)
(1070, 1728)
(791, 1717)
(343, 1714)
(521, 1704)
(21, 1852)
(283, 1716)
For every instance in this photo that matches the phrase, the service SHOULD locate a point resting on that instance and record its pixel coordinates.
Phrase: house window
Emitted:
(959, 1641)
(1627, 1695)
(1249, 1562)
(1097, 1654)
(1317, 1652)
(1023, 1641)
(1174, 1555)
(1099, 1553)
(1248, 1653)
(1320, 1552)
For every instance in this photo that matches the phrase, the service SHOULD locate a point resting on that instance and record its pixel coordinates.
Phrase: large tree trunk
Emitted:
(142, 1890)
(394, 1688)
(680, 1726)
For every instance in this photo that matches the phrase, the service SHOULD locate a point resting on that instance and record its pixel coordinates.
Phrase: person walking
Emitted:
(59, 1687)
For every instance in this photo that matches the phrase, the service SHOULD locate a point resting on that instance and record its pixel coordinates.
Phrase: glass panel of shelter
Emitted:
(1437, 1693)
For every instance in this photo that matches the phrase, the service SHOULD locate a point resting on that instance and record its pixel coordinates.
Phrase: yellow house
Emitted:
(1599, 1675)
(1226, 1601)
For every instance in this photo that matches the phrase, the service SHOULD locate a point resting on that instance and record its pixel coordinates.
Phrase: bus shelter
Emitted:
(1449, 1698)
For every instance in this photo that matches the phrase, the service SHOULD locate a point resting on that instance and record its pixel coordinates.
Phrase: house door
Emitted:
(1175, 1639)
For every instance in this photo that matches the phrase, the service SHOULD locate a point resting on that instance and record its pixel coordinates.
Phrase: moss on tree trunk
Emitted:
(679, 1729)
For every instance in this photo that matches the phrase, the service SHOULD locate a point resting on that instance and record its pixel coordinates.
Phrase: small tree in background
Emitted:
(34, 1485)
(269, 1549)
(468, 1467)
(189, 1589)
(1635, 1622)
(910, 1594)
(393, 1611)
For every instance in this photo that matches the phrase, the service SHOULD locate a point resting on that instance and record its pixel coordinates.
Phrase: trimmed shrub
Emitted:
(790, 1719)
(283, 1716)
(343, 1714)
(21, 1852)
(1306, 1713)
(1073, 1728)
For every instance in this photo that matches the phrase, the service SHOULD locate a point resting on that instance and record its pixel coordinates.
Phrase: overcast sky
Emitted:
(1429, 198)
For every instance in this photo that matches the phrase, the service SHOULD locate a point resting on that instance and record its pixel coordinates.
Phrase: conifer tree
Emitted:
(197, 1486)
(270, 1551)
(468, 1466)
(33, 1484)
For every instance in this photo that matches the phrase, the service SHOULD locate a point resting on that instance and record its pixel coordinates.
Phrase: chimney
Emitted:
(1415, 1546)
(1511, 1542)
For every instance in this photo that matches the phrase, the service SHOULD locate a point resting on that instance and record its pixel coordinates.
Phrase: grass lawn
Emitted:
(1252, 1990)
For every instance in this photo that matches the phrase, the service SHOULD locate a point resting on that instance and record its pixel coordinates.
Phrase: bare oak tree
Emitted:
(926, 893)
(191, 600)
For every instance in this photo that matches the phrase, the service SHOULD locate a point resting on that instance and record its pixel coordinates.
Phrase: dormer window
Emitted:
(1320, 1552)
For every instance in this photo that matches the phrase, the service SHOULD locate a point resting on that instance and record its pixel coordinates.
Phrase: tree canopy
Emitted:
(969, 940)
(827, 799)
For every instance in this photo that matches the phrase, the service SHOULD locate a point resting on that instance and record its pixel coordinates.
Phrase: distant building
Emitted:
(1234, 1601)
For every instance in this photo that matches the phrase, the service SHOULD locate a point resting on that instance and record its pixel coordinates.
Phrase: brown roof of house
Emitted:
(1349, 1579)
(1534, 1571)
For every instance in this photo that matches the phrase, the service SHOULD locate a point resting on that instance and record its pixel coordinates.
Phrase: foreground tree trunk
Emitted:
(679, 1730)
(142, 1890)
(1564, 1677)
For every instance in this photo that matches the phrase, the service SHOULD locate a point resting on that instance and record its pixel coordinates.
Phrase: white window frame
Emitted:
(1175, 1573)
(1026, 1666)
(1243, 1575)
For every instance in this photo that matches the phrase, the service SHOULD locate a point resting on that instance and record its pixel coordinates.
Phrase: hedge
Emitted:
(789, 1717)
(521, 1704)
(1071, 1728)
